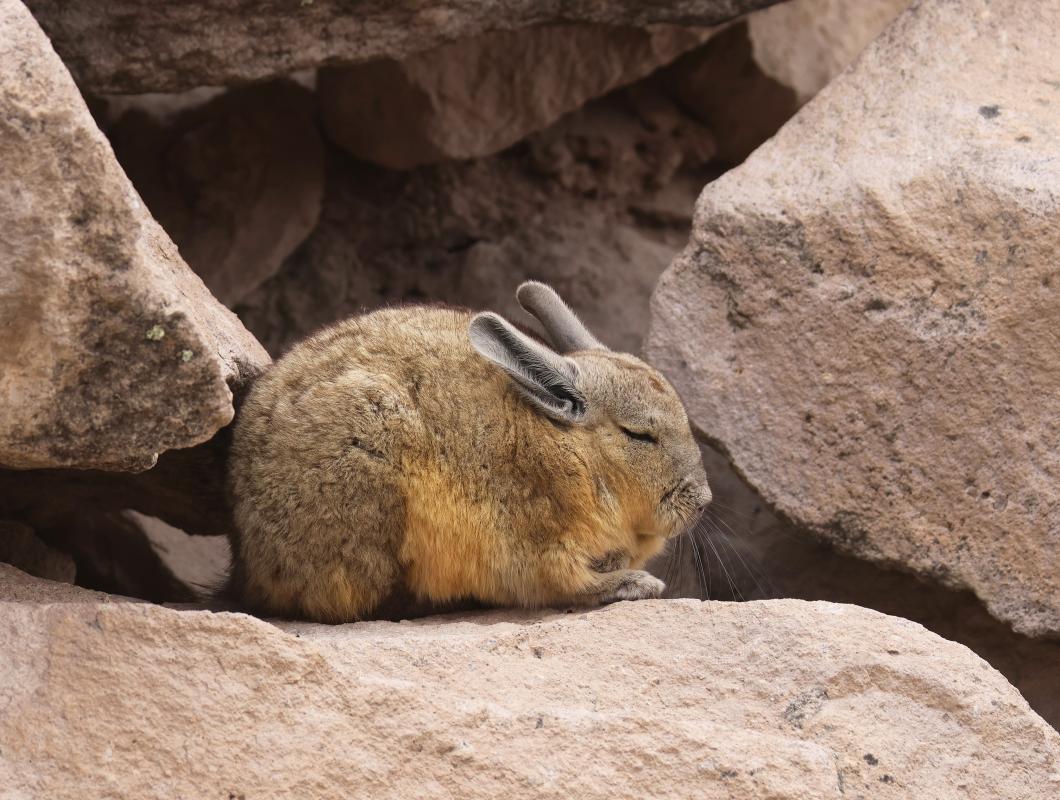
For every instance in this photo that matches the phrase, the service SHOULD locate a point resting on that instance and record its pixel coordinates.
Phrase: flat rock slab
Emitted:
(113, 349)
(865, 317)
(131, 46)
(105, 697)
(477, 96)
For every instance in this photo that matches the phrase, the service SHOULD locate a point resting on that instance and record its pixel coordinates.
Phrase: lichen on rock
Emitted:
(87, 379)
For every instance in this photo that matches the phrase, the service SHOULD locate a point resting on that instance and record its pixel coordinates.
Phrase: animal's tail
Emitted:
(225, 593)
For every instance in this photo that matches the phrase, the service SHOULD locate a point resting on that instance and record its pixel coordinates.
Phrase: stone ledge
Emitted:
(777, 698)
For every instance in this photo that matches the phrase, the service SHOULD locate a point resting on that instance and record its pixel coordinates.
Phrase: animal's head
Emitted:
(629, 412)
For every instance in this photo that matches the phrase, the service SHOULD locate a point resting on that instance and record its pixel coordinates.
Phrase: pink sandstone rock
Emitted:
(476, 96)
(114, 351)
(131, 46)
(105, 697)
(864, 315)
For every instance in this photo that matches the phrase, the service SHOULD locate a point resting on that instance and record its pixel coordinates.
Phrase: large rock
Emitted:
(128, 46)
(114, 350)
(477, 96)
(861, 317)
(186, 488)
(784, 699)
(236, 182)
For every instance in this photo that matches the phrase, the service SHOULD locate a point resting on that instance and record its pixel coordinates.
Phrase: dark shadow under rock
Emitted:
(236, 182)
(721, 85)
(574, 206)
(21, 547)
(186, 488)
(111, 554)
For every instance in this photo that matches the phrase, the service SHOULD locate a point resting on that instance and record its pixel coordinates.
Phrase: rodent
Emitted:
(435, 455)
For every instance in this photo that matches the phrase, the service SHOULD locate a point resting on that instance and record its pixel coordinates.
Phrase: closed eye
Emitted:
(640, 436)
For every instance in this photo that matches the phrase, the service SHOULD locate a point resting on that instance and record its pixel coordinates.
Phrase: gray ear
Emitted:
(564, 329)
(545, 378)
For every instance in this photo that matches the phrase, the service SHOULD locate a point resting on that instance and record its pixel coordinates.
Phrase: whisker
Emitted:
(672, 557)
(704, 575)
(714, 504)
(736, 593)
(763, 584)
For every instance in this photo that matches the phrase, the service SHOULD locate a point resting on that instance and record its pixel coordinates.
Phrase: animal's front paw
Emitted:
(635, 584)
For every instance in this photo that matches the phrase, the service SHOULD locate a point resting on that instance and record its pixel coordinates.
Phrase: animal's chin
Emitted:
(671, 524)
(676, 514)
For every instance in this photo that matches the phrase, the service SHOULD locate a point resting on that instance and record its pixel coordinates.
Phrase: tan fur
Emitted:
(385, 457)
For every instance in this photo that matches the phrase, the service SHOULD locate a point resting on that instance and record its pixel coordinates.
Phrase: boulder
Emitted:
(860, 316)
(115, 351)
(236, 182)
(130, 46)
(476, 96)
(110, 698)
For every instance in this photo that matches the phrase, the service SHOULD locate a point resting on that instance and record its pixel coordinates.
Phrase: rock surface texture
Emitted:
(783, 699)
(456, 101)
(113, 349)
(864, 315)
(747, 553)
(132, 46)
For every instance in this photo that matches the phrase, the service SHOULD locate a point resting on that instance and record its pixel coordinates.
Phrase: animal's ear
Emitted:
(545, 378)
(564, 329)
